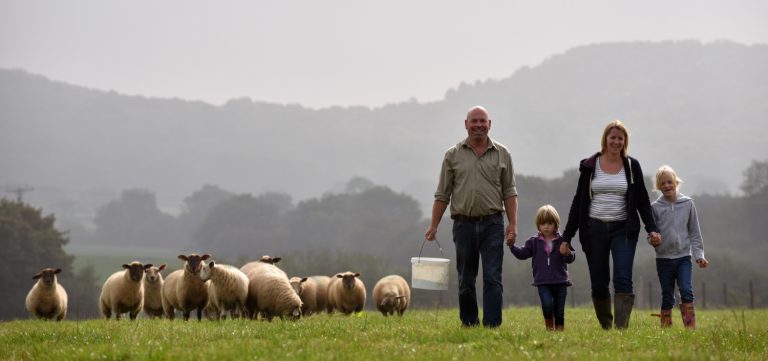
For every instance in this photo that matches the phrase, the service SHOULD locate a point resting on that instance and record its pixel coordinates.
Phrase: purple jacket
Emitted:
(547, 268)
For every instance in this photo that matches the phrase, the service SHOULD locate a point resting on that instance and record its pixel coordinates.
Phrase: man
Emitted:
(478, 181)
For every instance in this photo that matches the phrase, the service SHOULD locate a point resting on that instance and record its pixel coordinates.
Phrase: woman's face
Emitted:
(614, 142)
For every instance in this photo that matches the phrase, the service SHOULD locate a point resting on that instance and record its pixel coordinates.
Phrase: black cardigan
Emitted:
(636, 198)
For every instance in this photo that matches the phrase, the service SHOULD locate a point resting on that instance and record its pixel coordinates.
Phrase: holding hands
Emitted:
(565, 249)
(654, 239)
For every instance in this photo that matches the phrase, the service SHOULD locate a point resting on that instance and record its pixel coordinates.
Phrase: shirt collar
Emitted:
(491, 144)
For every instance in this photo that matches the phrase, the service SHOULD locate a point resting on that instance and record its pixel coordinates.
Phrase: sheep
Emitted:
(331, 280)
(251, 270)
(228, 288)
(321, 292)
(265, 259)
(347, 293)
(391, 294)
(47, 299)
(306, 288)
(273, 295)
(184, 290)
(123, 291)
(153, 295)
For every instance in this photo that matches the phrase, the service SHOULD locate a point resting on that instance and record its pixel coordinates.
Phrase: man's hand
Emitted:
(702, 262)
(431, 233)
(565, 250)
(511, 235)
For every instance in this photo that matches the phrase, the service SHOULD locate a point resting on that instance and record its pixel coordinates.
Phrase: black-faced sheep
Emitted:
(47, 299)
(123, 291)
(153, 291)
(255, 264)
(184, 290)
(391, 294)
(347, 293)
(306, 288)
(227, 289)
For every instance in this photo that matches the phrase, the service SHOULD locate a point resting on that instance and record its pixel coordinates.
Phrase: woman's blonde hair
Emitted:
(668, 171)
(616, 124)
(547, 214)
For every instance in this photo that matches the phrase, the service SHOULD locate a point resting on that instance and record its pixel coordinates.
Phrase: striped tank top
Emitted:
(608, 190)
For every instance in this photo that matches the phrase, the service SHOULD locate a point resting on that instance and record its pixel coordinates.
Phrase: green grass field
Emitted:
(419, 335)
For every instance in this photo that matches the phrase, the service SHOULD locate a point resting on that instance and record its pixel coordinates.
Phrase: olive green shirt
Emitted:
(476, 186)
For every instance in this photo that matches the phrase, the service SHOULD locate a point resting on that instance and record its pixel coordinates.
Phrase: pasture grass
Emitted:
(419, 335)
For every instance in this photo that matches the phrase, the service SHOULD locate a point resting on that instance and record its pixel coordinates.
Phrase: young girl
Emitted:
(550, 272)
(675, 215)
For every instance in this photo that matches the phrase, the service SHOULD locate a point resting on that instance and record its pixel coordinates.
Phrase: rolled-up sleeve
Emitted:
(445, 185)
(508, 186)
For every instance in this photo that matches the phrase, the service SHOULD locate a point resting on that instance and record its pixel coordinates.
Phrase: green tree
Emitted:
(756, 179)
(29, 242)
(135, 219)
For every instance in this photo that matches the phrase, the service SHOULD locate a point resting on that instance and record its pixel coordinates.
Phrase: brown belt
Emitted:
(463, 218)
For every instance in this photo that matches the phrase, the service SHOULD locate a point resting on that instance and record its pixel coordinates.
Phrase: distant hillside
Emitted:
(699, 107)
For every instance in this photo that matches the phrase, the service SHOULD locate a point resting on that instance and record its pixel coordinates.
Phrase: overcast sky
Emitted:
(334, 52)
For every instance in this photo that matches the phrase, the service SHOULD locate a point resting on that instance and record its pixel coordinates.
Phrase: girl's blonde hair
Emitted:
(666, 170)
(616, 124)
(547, 214)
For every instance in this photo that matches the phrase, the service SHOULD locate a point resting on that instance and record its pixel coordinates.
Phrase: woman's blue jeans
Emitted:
(609, 240)
(553, 302)
(475, 240)
(671, 271)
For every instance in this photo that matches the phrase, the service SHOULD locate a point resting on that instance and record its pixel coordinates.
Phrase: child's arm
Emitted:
(568, 252)
(697, 243)
(525, 252)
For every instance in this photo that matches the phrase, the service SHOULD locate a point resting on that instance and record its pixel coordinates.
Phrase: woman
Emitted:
(610, 195)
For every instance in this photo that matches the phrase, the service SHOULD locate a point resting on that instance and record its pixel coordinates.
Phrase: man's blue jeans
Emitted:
(671, 271)
(553, 302)
(474, 240)
(609, 239)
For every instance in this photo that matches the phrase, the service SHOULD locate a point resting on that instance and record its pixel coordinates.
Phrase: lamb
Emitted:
(273, 294)
(347, 293)
(153, 295)
(391, 294)
(184, 290)
(306, 288)
(123, 291)
(47, 299)
(322, 292)
(228, 289)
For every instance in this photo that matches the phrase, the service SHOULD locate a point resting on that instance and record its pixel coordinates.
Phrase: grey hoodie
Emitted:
(679, 227)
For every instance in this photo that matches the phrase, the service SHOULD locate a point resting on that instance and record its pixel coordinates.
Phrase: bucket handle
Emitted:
(422, 248)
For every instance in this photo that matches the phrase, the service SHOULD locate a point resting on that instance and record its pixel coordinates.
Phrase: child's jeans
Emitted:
(671, 271)
(553, 301)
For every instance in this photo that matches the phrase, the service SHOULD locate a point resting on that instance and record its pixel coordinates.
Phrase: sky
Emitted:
(334, 52)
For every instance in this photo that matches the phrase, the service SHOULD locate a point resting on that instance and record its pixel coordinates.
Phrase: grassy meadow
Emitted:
(419, 335)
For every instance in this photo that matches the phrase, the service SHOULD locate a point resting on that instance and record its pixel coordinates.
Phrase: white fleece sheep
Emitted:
(123, 291)
(274, 295)
(47, 299)
(391, 294)
(184, 290)
(153, 291)
(227, 289)
(322, 292)
(347, 293)
(306, 288)
(253, 269)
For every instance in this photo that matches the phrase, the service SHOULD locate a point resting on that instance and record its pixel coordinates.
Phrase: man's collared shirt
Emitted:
(476, 185)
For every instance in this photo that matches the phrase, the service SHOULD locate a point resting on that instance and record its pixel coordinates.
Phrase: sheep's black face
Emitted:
(136, 271)
(348, 281)
(194, 263)
(48, 276)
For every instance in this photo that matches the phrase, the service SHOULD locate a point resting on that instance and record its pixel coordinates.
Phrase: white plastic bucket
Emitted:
(429, 273)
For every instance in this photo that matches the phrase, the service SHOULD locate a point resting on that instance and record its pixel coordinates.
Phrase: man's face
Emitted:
(477, 124)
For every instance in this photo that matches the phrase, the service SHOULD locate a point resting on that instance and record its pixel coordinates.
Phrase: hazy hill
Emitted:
(699, 107)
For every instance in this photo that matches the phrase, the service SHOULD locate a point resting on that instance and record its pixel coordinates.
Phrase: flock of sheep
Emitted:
(258, 289)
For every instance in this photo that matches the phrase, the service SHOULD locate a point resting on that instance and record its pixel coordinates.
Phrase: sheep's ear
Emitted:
(212, 264)
(37, 276)
(304, 279)
(183, 257)
(357, 274)
(148, 266)
(205, 257)
(57, 271)
(340, 275)
(126, 266)
(276, 259)
(162, 267)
